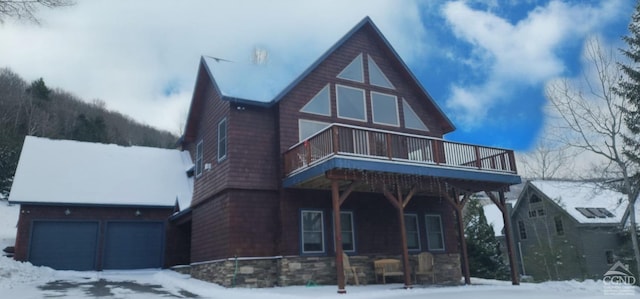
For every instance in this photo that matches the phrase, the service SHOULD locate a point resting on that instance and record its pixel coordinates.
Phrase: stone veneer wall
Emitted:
(303, 270)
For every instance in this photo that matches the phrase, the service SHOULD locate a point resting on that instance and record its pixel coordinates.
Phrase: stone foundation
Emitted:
(309, 270)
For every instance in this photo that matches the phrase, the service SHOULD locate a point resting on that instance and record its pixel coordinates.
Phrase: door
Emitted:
(64, 245)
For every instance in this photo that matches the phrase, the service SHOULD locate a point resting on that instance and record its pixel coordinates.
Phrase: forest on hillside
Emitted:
(32, 108)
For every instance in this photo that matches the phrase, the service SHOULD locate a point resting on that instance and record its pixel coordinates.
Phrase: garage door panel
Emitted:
(64, 245)
(133, 245)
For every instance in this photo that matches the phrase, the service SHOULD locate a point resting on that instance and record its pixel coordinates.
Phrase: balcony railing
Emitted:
(345, 140)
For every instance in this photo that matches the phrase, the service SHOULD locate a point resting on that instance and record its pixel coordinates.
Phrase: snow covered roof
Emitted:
(574, 197)
(73, 172)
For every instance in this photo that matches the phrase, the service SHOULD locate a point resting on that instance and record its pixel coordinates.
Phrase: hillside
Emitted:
(35, 109)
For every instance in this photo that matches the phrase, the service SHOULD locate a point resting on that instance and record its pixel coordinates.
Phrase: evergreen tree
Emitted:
(629, 89)
(485, 260)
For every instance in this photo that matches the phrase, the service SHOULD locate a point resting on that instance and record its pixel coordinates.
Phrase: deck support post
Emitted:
(458, 204)
(506, 218)
(335, 199)
(399, 203)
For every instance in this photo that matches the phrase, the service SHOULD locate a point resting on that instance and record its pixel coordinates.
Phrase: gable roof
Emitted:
(73, 172)
(266, 84)
(570, 195)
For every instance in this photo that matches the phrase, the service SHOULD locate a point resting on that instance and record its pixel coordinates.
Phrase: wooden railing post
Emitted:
(387, 136)
(478, 160)
(335, 140)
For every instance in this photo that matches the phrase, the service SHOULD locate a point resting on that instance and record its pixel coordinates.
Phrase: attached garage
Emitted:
(64, 245)
(90, 206)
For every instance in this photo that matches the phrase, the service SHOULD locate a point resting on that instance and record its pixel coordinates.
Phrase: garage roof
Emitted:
(73, 172)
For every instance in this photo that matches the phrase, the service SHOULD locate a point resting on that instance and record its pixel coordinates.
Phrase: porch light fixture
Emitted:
(138, 213)
(67, 212)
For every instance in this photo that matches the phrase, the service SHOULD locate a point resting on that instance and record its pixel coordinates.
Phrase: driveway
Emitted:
(103, 288)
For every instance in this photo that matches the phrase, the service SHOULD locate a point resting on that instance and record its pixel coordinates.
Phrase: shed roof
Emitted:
(571, 195)
(74, 172)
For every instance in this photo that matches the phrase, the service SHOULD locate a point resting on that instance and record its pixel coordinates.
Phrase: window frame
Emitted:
(353, 232)
(522, 230)
(361, 59)
(558, 220)
(328, 89)
(405, 104)
(370, 61)
(417, 230)
(373, 109)
(199, 161)
(429, 245)
(223, 140)
(301, 120)
(322, 232)
(364, 103)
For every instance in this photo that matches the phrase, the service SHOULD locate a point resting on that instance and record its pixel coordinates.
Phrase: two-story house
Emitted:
(347, 156)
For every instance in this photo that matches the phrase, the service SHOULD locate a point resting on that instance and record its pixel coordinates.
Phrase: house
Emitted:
(567, 229)
(91, 206)
(346, 155)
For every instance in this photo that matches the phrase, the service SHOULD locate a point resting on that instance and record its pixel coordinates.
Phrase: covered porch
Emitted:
(398, 167)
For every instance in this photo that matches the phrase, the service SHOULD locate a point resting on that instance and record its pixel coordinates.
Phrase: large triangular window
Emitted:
(376, 76)
(319, 104)
(411, 119)
(353, 71)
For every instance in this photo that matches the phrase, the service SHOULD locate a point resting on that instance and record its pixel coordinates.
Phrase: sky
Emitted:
(485, 62)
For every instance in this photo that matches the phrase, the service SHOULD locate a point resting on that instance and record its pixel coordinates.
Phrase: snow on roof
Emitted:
(72, 172)
(570, 195)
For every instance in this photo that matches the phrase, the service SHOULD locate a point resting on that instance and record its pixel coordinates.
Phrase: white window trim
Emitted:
(414, 215)
(364, 103)
(199, 158)
(328, 87)
(425, 129)
(302, 231)
(370, 59)
(226, 139)
(301, 120)
(429, 245)
(361, 70)
(373, 115)
(353, 232)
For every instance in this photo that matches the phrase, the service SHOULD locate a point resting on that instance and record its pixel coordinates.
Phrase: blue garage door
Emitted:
(64, 245)
(133, 245)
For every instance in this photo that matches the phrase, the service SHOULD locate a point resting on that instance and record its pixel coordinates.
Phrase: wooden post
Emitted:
(478, 160)
(506, 218)
(335, 140)
(399, 203)
(458, 205)
(335, 199)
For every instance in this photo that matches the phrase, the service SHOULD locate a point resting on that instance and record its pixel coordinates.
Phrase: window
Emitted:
(411, 119)
(385, 109)
(532, 214)
(306, 128)
(353, 71)
(559, 228)
(413, 234)
(376, 76)
(351, 103)
(522, 230)
(609, 256)
(534, 198)
(199, 154)
(222, 139)
(540, 212)
(319, 104)
(435, 236)
(348, 231)
(312, 231)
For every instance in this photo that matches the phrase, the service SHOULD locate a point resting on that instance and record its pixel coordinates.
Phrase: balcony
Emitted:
(349, 147)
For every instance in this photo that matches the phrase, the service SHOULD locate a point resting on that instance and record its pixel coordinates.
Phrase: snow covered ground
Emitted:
(23, 280)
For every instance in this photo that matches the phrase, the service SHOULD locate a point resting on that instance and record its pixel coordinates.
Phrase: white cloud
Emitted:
(128, 53)
(517, 54)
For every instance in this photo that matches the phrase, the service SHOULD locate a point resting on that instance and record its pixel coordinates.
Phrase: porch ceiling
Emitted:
(374, 172)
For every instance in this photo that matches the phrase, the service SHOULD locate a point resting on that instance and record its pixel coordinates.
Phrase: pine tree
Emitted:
(629, 89)
(485, 260)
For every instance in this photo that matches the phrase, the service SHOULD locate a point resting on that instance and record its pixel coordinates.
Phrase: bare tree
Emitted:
(548, 160)
(26, 9)
(593, 120)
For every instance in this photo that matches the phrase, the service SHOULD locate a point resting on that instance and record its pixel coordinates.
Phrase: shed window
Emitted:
(351, 103)
(376, 76)
(319, 104)
(385, 109)
(559, 227)
(312, 231)
(353, 71)
(222, 139)
(411, 119)
(413, 235)
(199, 154)
(522, 230)
(435, 235)
(608, 254)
